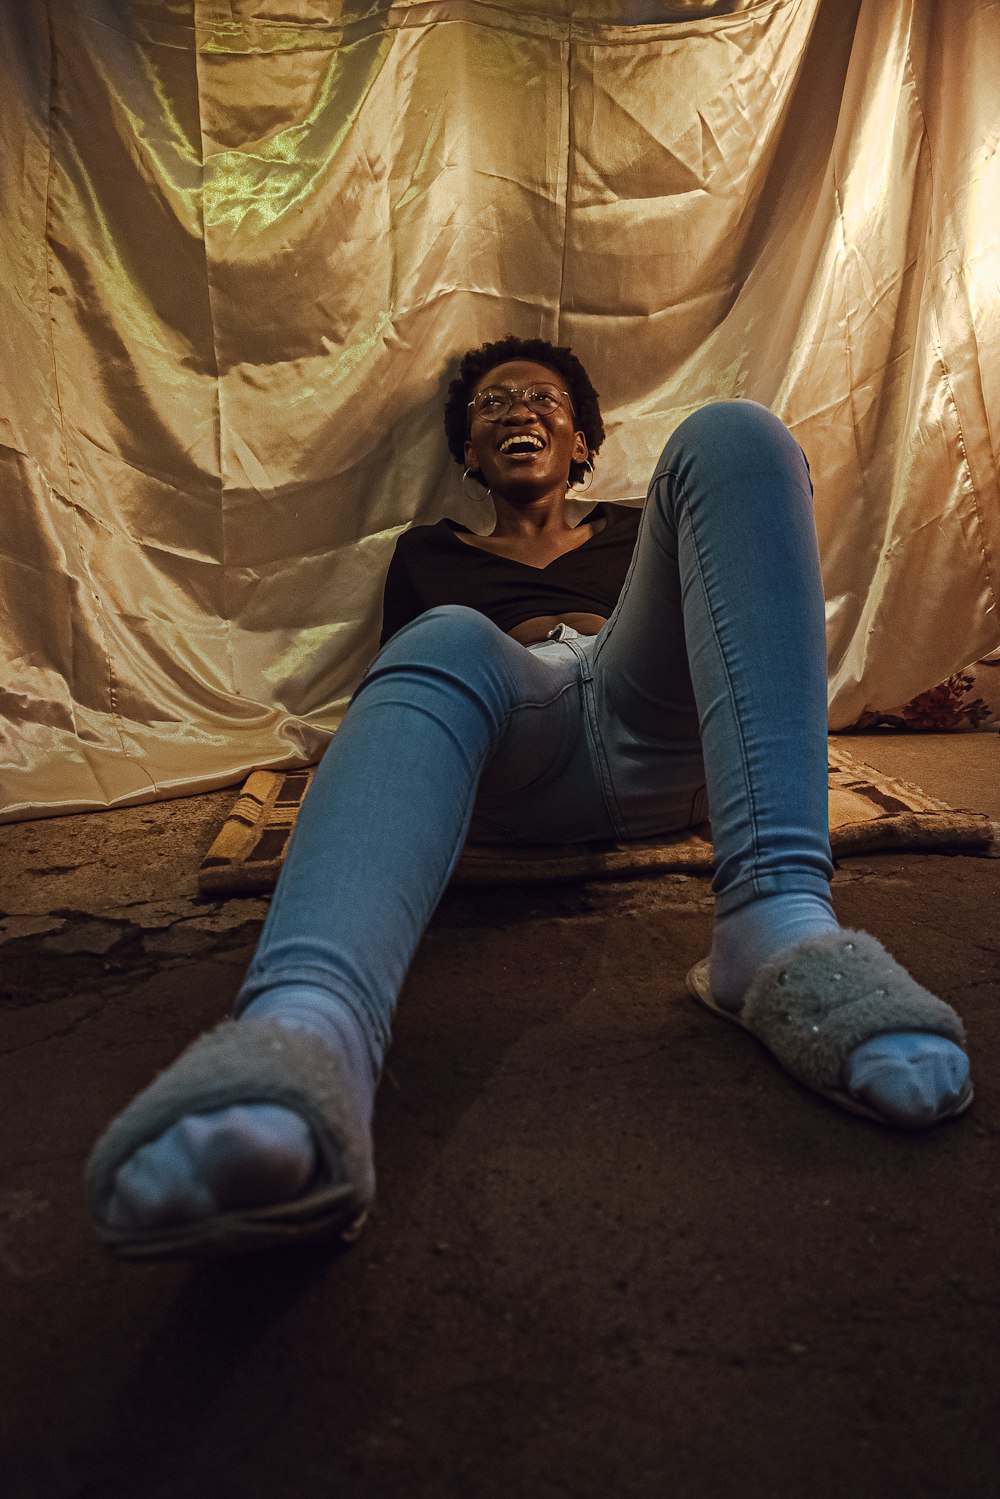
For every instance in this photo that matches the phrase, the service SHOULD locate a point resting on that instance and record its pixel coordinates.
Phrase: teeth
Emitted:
(526, 439)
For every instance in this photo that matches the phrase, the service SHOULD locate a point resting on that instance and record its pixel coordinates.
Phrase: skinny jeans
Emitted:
(705, 691)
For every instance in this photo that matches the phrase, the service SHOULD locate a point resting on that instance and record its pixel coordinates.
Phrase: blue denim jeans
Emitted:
(706, 688)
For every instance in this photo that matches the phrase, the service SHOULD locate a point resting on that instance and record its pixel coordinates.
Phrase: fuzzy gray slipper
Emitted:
(821, 999)
(246, 1061)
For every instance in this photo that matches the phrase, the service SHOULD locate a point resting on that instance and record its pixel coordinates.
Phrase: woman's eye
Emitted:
(544, 398)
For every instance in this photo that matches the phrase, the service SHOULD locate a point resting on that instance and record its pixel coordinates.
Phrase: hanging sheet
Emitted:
(244, 241)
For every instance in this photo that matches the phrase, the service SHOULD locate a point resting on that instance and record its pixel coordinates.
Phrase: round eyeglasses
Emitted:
(493, 403)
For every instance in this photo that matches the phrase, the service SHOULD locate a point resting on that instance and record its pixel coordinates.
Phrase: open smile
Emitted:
(521, 445)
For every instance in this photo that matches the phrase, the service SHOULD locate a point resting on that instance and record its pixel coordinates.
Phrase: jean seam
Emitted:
(744, 755)
(611, 806)
(574, 684)
(527, 707)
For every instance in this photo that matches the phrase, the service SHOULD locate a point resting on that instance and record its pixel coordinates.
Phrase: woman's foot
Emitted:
(906, 1077)
(247, 1156)
(910, 1078)
(238, 1154)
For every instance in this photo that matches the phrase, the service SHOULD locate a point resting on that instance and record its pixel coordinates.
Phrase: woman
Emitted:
(549, 682)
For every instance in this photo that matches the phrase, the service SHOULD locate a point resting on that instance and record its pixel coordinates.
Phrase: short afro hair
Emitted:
(558, 358)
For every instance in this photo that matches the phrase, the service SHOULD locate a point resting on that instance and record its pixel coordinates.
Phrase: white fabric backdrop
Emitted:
(244, 241)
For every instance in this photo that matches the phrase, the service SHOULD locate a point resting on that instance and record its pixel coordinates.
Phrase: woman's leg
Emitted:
(376, 843)
(719, 636)
(720, 633)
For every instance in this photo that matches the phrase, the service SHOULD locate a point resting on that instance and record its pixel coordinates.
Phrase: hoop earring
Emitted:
(487, 494)
(584, 487)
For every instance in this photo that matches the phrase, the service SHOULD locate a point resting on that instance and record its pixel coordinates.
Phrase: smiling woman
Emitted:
(526, 428)
(644, 698)
(523, 441)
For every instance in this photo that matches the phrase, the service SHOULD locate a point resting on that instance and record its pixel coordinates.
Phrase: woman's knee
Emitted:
(742, 429)
(727, 448)
(446, 634)
(451, 645)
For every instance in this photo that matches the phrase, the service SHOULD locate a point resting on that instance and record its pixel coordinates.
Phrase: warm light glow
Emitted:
(983, 238)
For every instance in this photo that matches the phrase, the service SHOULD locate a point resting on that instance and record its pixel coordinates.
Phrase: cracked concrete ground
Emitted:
(616, 1250)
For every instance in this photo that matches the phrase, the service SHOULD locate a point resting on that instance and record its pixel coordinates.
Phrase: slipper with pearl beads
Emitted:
(816, 1005)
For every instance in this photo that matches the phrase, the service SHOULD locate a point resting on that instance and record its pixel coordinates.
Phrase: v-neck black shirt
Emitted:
(432, 565)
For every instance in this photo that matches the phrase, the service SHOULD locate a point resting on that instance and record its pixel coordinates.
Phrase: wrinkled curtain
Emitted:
(243, 242)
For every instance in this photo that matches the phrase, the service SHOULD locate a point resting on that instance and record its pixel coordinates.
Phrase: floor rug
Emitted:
(869, 811)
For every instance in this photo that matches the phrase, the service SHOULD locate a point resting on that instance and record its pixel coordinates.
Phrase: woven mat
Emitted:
(868, 811)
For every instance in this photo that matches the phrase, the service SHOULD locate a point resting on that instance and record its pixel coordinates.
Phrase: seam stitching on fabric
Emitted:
(608, 793)
(584, 684)
(744, 757)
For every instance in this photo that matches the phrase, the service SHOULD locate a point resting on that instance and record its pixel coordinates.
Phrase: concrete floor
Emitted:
(616, 1251)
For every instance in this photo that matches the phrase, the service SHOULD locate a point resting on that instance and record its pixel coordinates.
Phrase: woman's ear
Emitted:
(581, 452)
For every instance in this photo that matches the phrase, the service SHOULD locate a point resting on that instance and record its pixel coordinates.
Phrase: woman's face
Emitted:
(524, 453)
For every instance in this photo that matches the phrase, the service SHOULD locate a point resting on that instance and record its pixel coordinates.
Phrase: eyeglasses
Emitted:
(494, 403)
